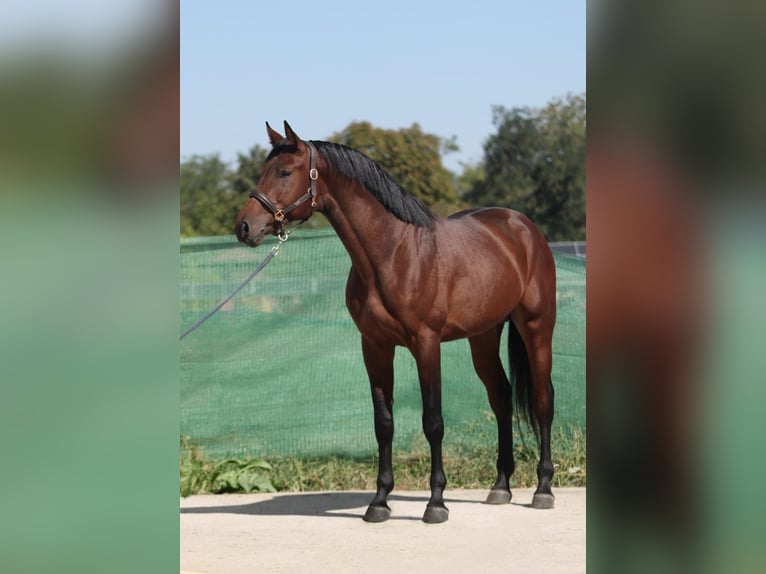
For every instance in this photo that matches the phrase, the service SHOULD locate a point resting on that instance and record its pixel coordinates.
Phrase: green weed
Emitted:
(201, 475)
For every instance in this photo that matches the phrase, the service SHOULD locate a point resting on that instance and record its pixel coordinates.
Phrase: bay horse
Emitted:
(417, 280)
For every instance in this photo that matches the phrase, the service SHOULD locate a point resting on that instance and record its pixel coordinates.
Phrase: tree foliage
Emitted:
(248, 169)
(411, 156)
(212, 194)
(535, 163)
(204, 195)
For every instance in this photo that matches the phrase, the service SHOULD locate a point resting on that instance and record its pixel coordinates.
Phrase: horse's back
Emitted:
(493, 216)
(512, 229)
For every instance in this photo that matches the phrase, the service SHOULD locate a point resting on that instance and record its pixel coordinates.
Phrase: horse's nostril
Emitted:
(244, 229)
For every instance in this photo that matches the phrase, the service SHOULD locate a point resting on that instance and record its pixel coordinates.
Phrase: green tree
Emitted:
(248, 170)
(470, 177)
(411, 156)
(208, 204)
(535, 163)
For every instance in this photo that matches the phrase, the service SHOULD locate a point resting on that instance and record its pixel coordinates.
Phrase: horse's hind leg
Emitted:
(486, 361)
(379, 361)
(537, 334)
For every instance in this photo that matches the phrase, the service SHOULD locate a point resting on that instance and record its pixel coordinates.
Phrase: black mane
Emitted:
(379, 183)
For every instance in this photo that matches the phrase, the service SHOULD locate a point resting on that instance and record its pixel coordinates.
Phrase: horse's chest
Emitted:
(374, 320)
(372, 316)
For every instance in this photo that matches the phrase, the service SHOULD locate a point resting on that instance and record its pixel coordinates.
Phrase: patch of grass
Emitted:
(466, 466)
(202, 475)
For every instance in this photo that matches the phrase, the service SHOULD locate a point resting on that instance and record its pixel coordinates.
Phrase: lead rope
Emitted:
(274, 251)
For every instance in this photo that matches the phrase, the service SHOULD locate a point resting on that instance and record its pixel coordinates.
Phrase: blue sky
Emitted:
(322, 64)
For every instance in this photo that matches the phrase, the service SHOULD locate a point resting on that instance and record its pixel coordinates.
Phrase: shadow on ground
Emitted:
(328, 504)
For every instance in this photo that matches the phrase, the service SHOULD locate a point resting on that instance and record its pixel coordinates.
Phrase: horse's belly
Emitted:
(474, 308)
(467, 327)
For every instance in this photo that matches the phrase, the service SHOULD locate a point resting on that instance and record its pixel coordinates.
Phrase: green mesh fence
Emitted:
(279, 371)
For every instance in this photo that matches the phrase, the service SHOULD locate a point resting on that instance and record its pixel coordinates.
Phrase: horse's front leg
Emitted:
(379, 361)
(428, 358)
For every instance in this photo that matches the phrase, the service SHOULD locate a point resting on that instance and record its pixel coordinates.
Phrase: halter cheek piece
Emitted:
(279, 214)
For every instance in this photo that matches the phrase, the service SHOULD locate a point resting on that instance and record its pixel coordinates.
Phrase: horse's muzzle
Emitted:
(246, 235)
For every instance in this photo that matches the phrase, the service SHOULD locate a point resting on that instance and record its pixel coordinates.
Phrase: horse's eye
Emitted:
(284, 173)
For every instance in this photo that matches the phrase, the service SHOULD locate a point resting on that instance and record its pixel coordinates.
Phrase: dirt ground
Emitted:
(324, 533)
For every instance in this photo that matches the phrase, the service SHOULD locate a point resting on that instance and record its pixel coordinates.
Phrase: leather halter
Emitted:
(279, 214)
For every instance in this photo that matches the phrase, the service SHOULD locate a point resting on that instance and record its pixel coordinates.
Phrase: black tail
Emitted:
(521, 378)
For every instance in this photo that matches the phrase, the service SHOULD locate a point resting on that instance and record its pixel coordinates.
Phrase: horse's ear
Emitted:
(292, 137)
(274, 136)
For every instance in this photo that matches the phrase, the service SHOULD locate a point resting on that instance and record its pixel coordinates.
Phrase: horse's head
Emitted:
(285, 192)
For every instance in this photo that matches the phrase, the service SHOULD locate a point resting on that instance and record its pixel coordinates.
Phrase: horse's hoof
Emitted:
(542, 500)
(377, 514)
(435, 514)
(498, 496)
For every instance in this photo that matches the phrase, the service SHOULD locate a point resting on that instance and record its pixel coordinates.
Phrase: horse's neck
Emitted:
(368, 231)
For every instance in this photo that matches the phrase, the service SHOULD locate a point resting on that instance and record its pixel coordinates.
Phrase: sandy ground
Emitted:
(324, 533)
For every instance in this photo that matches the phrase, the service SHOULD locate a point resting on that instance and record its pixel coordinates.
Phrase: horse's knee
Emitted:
(433, 427)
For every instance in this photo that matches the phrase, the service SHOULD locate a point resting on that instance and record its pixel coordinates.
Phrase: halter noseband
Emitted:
(279, 214)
